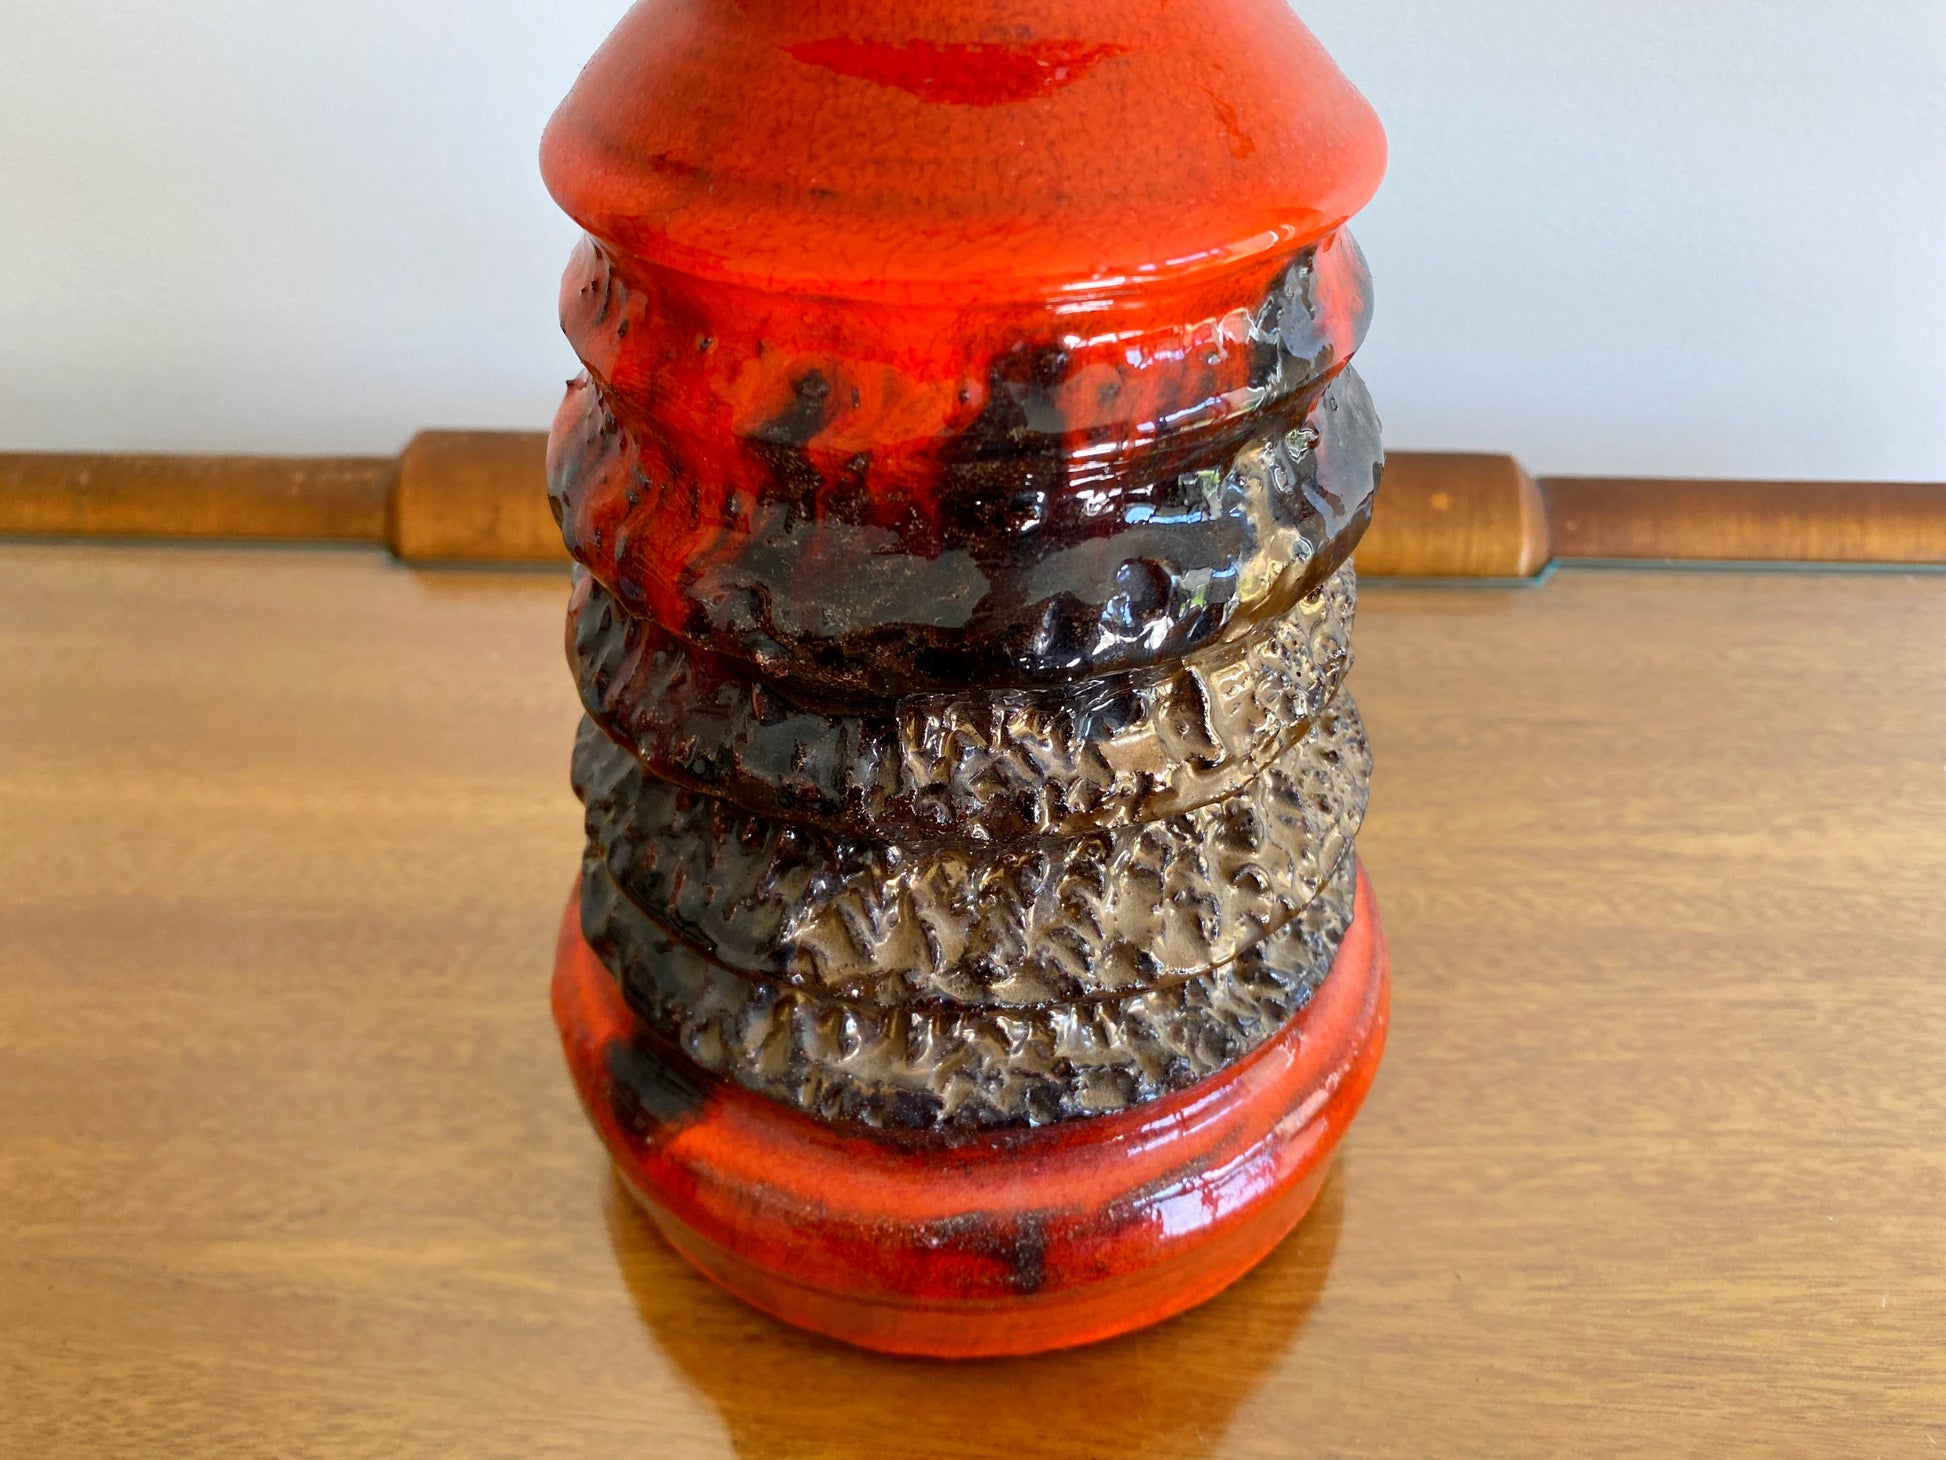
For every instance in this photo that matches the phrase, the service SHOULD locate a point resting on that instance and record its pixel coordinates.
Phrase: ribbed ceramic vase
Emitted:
(969, 954)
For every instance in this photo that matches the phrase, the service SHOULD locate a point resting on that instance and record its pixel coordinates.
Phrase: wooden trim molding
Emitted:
(1731, 521)
(1450, 514)
(474, 496)
(478, 496)
(317, 499)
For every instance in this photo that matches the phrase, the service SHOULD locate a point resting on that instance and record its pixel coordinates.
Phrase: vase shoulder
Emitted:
(1009, 149)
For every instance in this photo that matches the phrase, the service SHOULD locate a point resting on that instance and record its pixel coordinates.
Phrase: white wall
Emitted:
(1630, 236)
(1678, 237)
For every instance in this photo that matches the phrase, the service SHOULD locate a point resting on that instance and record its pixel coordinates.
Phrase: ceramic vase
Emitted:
(970, 954)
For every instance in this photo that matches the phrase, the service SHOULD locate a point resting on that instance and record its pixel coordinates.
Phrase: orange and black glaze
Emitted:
(1016, 1242)
(968, 365)
(921, 347)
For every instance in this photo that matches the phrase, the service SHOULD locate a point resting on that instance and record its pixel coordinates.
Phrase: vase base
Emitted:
(1010, 1242)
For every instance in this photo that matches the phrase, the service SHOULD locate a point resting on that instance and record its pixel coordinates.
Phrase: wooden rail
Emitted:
(477, 496)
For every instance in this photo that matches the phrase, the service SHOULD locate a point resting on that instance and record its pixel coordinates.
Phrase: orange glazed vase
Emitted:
(970, 954)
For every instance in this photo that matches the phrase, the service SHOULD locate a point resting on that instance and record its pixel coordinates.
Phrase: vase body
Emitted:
(963, 483)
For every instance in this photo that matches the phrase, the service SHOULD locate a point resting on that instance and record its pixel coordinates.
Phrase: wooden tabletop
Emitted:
(289, 1163)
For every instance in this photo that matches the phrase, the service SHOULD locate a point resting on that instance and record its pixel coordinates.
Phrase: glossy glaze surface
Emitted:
(965, 473)
(1010, 149)
(1009, 547)
(1025, 924)
(977, 768)
(1013, 1243)
(935, 347)
(960, 1068)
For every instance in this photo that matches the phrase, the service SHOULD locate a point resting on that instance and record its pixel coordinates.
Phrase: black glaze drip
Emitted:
(1042, 563)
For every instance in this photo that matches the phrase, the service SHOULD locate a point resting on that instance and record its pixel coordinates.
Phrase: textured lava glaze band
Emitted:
(970, 953)
(1008, 1243)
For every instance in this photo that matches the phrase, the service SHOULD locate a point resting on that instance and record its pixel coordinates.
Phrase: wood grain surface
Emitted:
(474, 496)
(113, 494)
(1744, 521)
(1455, 514)
(289, 1164)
